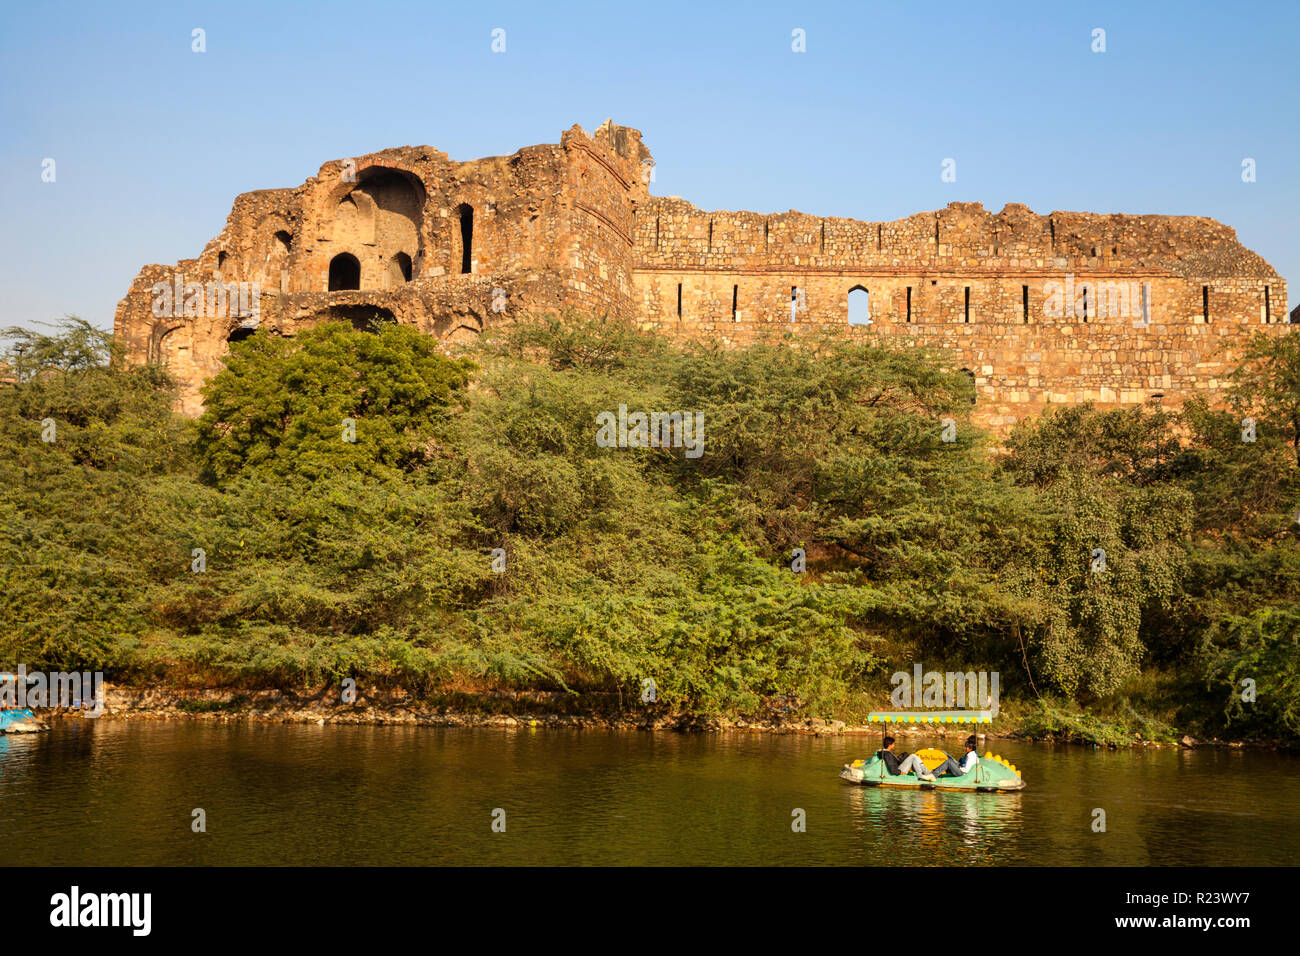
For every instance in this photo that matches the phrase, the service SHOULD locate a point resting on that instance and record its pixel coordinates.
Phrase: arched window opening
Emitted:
(859, 306)
(462, 335)
(384, 209)
(275, 266)
(221, 262)
(400, 268)
(465, 213)
(240, 332)
(364, 318)
(345, 272)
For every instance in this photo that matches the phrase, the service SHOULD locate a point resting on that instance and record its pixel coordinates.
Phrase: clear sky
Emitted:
(152, 141)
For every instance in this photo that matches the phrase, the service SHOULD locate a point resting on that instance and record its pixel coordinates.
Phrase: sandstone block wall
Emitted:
(1063, 308)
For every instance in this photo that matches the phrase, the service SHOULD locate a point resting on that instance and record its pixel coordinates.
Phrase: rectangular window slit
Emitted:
(1268, 313)
(1024, 302)
(735, 296)
(1205, 303)
(909, 303)
(966, 317)
(679, 300)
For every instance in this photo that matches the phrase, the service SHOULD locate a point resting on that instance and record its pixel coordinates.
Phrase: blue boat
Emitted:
(20, 720)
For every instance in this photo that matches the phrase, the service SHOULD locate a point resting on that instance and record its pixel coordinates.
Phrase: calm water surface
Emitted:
(106, 793)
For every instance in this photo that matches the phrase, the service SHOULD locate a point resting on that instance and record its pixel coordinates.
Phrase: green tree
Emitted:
(329, 398)
(1114, 548)
(1267, 386)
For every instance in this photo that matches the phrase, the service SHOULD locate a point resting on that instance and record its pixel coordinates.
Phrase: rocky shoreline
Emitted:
(399, 708)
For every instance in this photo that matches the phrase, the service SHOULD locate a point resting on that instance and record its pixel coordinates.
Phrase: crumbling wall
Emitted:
(405, 235)
(606, 183)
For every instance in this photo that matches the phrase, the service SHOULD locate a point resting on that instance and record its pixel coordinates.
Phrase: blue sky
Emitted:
(152, 141)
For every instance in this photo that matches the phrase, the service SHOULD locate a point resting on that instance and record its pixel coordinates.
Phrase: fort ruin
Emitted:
(1038, 309)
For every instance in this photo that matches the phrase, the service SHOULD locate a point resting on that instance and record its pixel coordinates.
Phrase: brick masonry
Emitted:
(1038, 309)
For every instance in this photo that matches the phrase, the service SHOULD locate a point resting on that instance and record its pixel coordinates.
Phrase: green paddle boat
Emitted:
(991, 774)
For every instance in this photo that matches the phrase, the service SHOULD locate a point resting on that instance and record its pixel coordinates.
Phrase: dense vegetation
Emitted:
(261, 545)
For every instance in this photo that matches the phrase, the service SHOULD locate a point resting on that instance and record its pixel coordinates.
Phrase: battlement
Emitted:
(1039, 309)
(673, 234)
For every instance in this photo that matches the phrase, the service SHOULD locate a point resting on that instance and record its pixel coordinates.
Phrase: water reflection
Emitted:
(935, 827)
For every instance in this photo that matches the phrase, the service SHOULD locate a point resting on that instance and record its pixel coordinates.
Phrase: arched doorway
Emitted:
(363, 318)
(859, 306)
(399, 269)
(345, 272)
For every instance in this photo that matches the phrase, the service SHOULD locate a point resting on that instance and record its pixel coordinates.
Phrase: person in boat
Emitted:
(902, 764)
(959, 768)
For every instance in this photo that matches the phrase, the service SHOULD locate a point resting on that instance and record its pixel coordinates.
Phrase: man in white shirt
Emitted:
(962, 767)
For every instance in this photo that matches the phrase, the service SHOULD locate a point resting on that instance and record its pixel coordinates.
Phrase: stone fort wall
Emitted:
(1038, 309)
(1062, 308)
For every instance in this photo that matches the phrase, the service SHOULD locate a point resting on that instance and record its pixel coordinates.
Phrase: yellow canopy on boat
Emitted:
(932, 717)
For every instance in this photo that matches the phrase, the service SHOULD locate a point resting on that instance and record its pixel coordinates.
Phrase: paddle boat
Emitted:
(20, 720)
(991, 774)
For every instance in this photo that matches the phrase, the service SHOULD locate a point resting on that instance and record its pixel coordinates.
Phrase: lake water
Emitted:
(113, 793)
